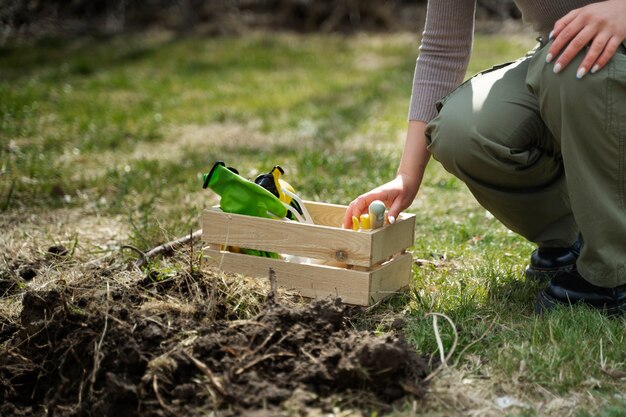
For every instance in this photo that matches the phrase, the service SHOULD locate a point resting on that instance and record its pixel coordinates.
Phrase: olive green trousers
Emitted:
(545, 153)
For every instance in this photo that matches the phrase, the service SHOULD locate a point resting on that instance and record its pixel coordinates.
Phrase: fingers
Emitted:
(609, 50)
(602, 47)
(361, 204)
(573, 45)
(358, 207)
(564, 30)
(563, 22)
(595, 50)
(598, 27)
(394, 211)
(393, 194)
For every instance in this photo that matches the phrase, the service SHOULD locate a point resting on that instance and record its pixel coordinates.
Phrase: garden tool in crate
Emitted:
(241, 196)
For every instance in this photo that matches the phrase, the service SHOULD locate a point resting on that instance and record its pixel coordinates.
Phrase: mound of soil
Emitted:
(118, 352)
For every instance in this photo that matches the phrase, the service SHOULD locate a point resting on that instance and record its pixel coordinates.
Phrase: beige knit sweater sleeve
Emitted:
(447, 44)
(443, 56)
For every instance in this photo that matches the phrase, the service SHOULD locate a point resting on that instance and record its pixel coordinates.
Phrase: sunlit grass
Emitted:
(126, 127)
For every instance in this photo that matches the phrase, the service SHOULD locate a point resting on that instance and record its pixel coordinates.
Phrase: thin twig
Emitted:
(261, 359)
(164, 248)
(316, 361)
(420, 262)
(271, 296)
(237, 323)
(261, 346)
(155, 388)
(442, 353)
(215, 381)
(139, 252)
(98, 347)
(444, 359)
(191, 251)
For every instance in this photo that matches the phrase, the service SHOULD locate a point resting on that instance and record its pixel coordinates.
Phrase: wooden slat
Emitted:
(391, 277)
(386, 242)
(393, 238)
(311, 241)
(319, 241)
(362, 283)
(313, 281)
(325, 214)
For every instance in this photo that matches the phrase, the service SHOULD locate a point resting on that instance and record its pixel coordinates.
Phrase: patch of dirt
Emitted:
(180, 347)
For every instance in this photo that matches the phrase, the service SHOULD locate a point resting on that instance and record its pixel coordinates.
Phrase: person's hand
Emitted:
(601, 25)
(397, 194)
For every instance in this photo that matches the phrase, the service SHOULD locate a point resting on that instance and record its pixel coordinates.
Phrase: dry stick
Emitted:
(164, 248)
(261, 359)
(271, 296)
(445, 359)
(261, 346)
(138, 252)
(215, 381)
(316, 361)
(258, 349)
(238, 323)
(442, 353)
(80, 388)
(63, 287)
(155, 388)
(98, 347)
(191, 251)
(420, 262)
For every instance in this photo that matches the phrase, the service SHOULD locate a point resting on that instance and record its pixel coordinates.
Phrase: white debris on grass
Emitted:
(508, 401)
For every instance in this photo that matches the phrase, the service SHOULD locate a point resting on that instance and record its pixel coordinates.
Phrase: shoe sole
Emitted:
(541, 275)
(545, 303)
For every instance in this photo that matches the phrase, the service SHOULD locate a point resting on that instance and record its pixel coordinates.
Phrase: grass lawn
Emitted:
(103, 143)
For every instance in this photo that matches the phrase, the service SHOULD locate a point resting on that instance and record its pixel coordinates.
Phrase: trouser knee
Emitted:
(449, 142)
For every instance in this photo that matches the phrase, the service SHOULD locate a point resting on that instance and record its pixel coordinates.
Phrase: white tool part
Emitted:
(306, 216)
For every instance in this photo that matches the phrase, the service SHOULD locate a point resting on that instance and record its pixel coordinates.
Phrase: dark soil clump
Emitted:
(106, 353)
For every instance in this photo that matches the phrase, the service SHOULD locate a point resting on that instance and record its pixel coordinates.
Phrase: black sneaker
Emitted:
(546, 262)
(567, 288)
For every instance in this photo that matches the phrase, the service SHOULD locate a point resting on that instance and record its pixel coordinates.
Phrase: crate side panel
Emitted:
(313, 281)
(393, 238)
(332, 214)
(325, 214)
(311, 241)
(391, 277)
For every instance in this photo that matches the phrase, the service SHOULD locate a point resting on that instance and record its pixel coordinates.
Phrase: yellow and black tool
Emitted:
(284, 191)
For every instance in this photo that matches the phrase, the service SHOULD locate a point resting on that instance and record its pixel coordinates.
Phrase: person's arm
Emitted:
(441, 65)
(601, 25)
(398, 194)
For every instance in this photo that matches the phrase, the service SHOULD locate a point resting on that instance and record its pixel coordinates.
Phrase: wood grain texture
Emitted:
(360, 267)
(391, 278)
(324, 214)
(318, 241)
(310, 280)
(392, 239)
(287, 237)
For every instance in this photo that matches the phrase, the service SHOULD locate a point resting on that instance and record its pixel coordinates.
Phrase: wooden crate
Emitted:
(361, 267)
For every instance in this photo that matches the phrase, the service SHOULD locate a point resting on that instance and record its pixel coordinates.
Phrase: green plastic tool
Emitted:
(240, 196)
